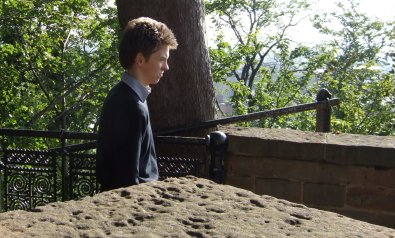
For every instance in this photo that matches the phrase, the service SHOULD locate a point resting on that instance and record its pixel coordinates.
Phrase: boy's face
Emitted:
(153, 69)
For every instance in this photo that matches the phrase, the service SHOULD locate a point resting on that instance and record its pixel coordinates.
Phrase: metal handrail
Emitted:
(250, 116)
(48, 134)
(158, 139)
(92, 136)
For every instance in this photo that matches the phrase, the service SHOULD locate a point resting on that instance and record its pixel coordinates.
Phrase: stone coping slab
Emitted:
(311, 137)
(340, 148)
(182, 207)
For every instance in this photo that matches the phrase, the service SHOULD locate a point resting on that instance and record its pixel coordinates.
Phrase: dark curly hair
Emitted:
(144, 35)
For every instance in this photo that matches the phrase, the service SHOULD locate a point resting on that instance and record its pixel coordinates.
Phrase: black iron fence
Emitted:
(30, 177)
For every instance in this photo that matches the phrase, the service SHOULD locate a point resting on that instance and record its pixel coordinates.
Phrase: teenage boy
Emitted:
(126, 152)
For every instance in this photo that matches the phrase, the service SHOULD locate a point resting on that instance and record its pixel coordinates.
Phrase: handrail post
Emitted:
(218, 147)
(323, 119)
(1, 185)
(64, 170)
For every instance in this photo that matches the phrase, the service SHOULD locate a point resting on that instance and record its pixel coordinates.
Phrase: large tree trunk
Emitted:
(185, 94)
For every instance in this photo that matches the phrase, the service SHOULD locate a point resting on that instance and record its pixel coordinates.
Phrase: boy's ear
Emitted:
(140, 59)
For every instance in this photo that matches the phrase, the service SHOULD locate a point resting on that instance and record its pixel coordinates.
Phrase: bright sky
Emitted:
(382, 9)
(306, 33)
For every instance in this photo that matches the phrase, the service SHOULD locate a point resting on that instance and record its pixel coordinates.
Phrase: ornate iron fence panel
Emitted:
(30, 178)
(82, 175)
(178, 167)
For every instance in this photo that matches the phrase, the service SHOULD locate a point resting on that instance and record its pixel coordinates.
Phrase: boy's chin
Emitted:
(156, 82)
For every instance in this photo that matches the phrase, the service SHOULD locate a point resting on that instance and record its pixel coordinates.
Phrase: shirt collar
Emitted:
(141, 91)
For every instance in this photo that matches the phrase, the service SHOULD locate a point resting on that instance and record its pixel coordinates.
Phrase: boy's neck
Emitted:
(135, 74)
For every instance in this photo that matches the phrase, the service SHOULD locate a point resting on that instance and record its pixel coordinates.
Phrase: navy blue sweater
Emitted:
(126, 152)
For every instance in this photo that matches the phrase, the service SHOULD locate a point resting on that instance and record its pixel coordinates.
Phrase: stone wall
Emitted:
(353, 175)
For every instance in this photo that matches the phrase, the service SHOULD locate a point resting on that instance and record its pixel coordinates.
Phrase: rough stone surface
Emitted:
(298, 136)
(180, 208)
(334, 148)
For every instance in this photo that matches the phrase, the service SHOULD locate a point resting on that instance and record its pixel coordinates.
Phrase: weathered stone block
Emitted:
(375, 198)
(340, 174)
(247, 183)
(239, 165)
(382, 177)
(324, 194)
(359, 155)
(382, 219)
(272, 168)
(251, 146)
(279, 188)
(284, 169)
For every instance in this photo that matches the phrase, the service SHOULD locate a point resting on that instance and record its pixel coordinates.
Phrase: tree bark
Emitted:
(185, 95)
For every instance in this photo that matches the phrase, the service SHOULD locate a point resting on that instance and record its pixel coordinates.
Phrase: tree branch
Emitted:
(65, 94)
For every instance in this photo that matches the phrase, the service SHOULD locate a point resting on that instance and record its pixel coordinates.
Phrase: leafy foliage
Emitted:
(266, 70)
(359, 73)
(56, 62)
